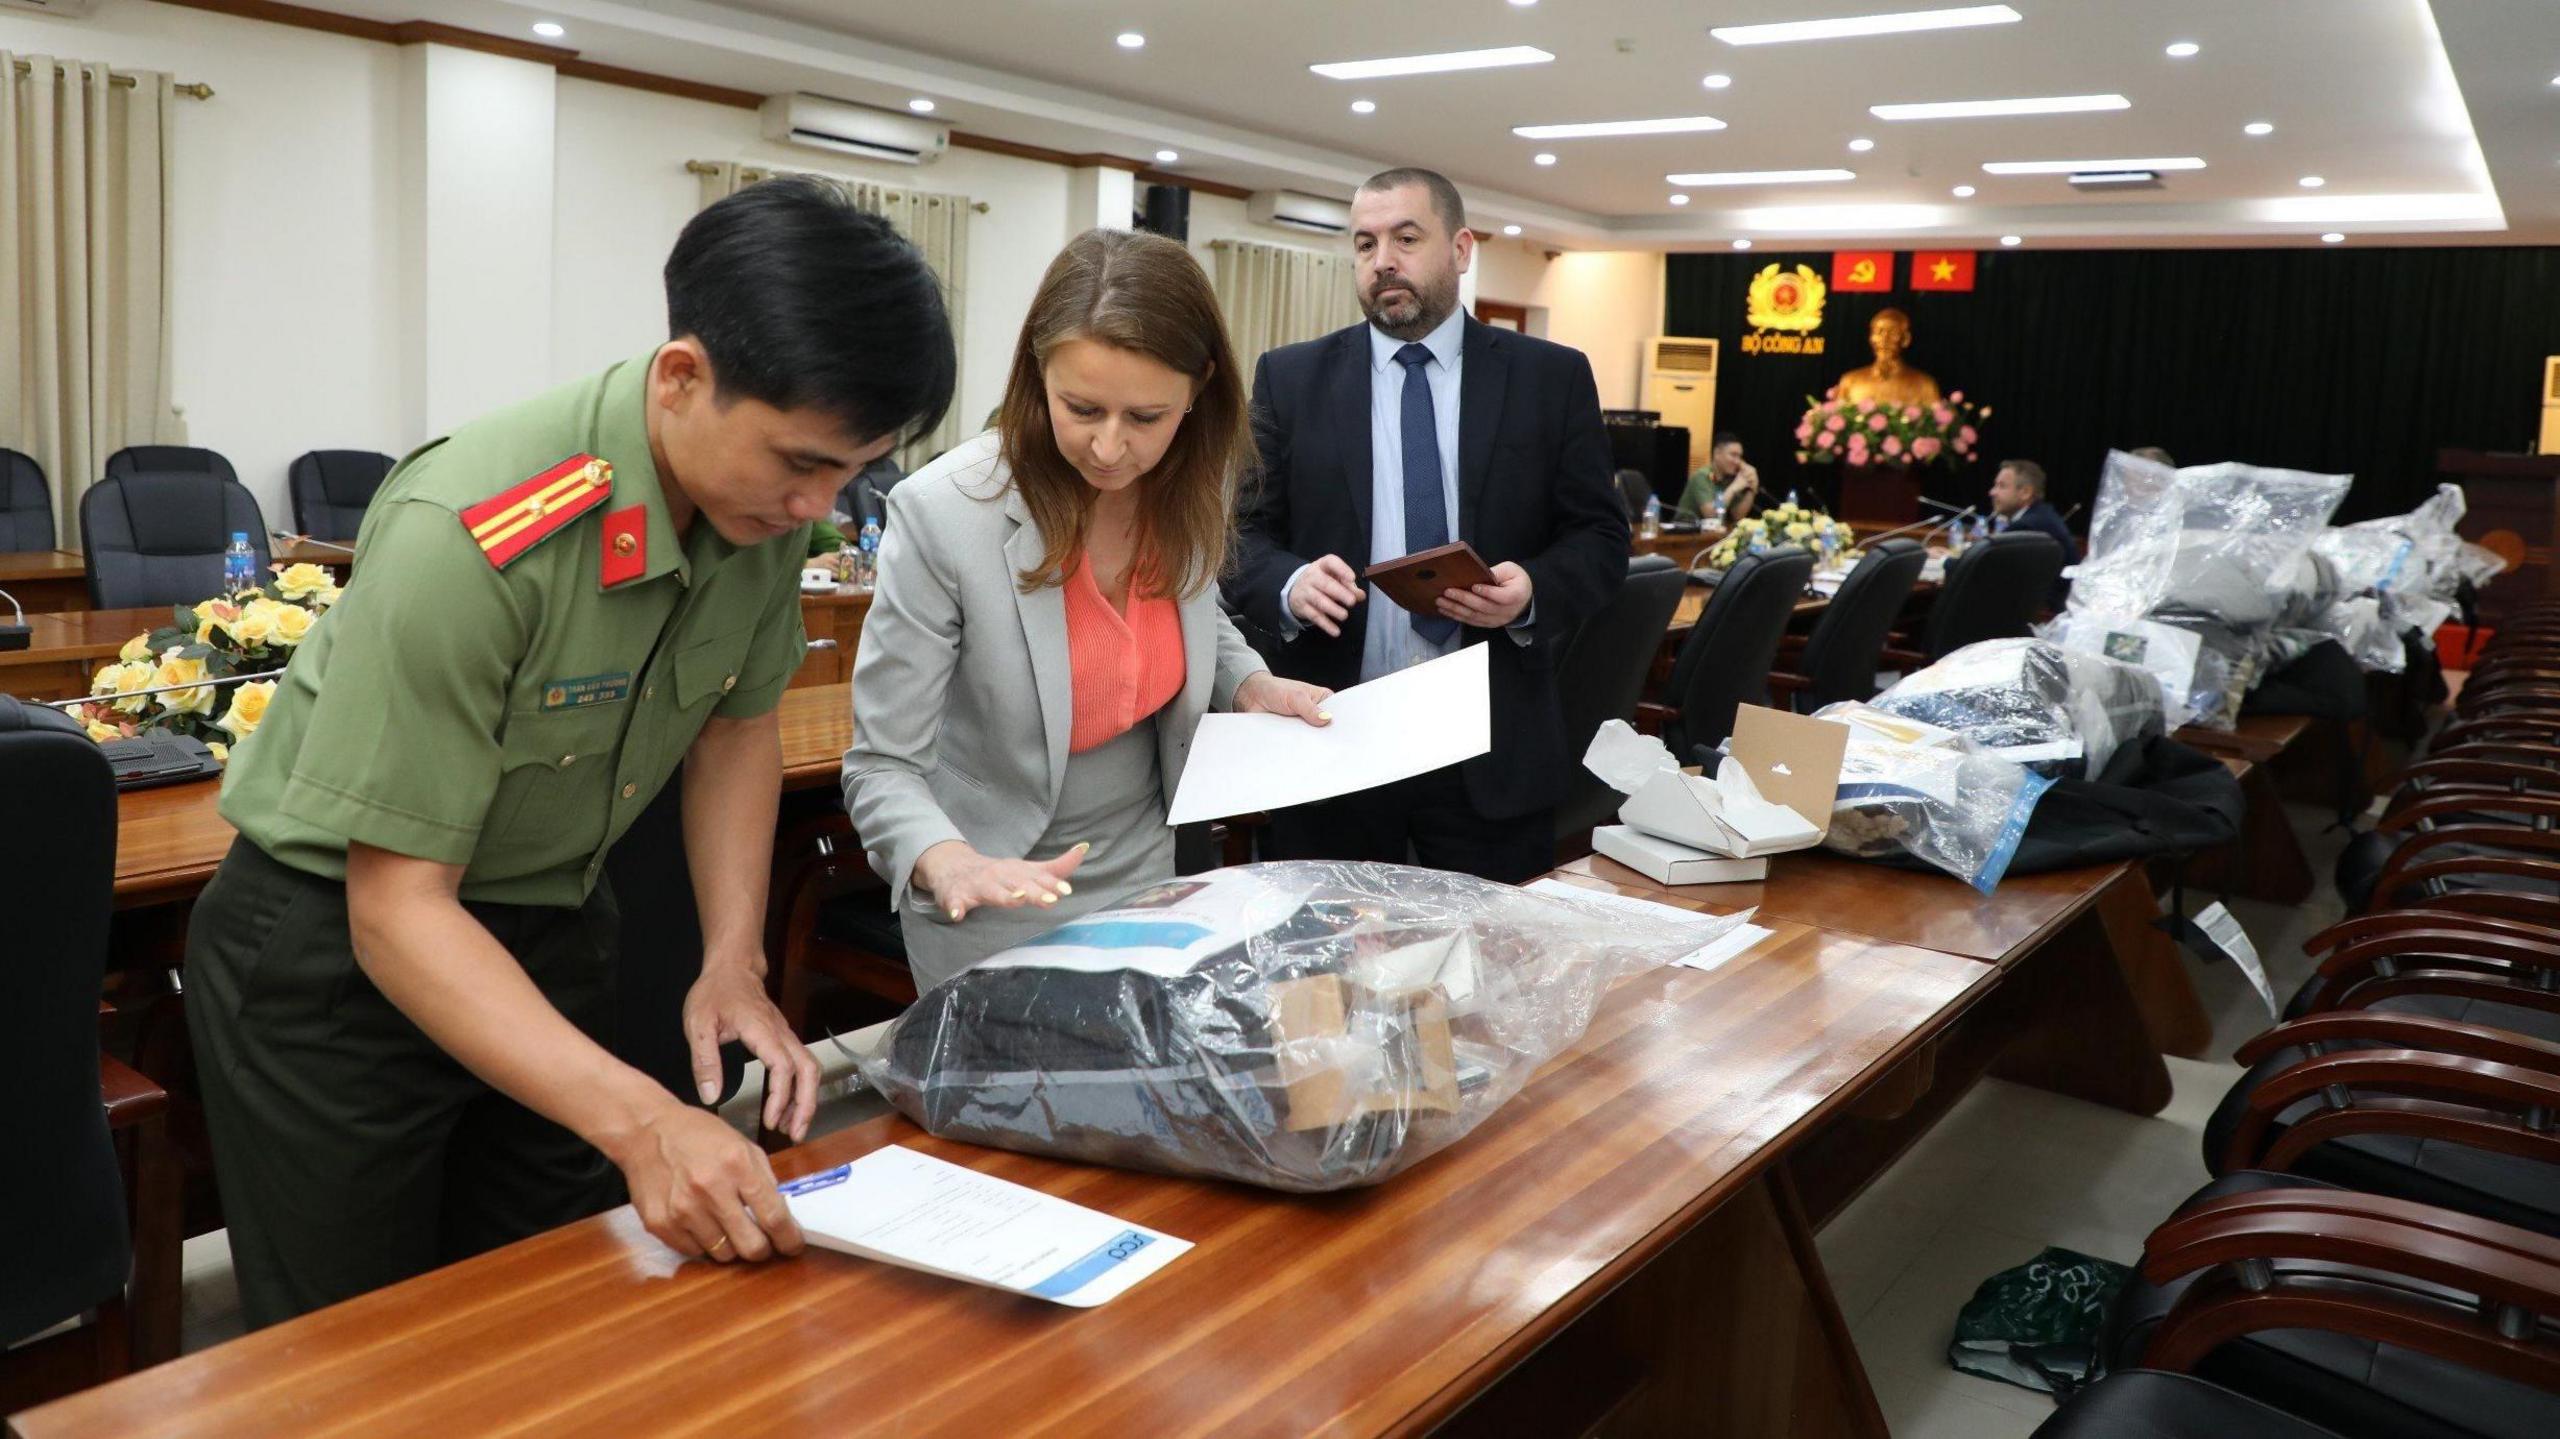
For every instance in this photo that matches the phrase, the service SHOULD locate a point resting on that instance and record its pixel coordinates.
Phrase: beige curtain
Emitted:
(938, 224)
(84, 276)
(1276, 295)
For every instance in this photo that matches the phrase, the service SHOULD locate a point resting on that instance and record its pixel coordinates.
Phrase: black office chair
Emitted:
(157, 539)
(1992, 591)
(70, 1251)
(26, 504)
(331, 489)
(1838, 661)
(170, 460)
(1635, 490)
(1725, 662)
(2155, 1404)
(1601, 676)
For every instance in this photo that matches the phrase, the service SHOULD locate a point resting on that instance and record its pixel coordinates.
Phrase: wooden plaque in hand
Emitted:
(1415, 581)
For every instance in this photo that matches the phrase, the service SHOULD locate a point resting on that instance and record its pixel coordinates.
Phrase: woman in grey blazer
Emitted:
(1046, 633)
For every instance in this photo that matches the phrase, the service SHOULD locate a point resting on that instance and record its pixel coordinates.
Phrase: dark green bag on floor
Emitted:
(2036, 1326)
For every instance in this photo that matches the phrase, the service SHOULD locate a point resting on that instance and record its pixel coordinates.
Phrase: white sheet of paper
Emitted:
(1394, 727)
(907, 1208)
(1725, 935)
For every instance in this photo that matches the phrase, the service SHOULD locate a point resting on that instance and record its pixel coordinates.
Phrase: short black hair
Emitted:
(1722, 439)
(804, 302)
(1445, 200)
(2029, 473)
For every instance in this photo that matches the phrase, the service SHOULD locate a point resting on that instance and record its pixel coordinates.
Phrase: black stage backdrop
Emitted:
(2333, 360)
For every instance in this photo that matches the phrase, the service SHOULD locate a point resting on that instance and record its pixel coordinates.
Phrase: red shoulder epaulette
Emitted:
(507, 525)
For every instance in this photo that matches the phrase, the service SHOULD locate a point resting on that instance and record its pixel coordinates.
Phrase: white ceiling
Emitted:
(2365, 93)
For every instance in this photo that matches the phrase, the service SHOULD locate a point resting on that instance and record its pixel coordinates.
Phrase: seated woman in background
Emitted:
(1046, 632)
(1726, 489)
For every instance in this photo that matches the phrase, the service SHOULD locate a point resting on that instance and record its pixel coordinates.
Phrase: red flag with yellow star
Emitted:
(1942, 270)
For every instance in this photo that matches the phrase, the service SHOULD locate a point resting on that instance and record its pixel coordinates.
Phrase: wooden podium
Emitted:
(2511, 505)
(1879, 494)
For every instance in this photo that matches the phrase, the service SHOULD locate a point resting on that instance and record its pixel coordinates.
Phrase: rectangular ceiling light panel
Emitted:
(1851, 26)
(1433, 64)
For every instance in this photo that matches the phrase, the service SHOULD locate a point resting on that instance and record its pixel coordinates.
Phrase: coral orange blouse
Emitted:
(1125, 667)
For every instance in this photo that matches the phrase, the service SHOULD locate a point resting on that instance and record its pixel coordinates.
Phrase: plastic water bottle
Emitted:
(239, 564)
(1791, 497)
(869, 572)
(1652, 516)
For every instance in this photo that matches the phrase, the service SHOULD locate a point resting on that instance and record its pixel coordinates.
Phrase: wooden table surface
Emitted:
(1376, 1311)
(1901, 906)
(170, 840)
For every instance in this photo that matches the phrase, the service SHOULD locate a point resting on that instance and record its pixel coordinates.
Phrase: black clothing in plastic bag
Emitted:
(2036, 1326)
(2155, 797)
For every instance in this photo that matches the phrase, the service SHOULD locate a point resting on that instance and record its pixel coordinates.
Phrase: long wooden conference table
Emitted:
(1629, 1239)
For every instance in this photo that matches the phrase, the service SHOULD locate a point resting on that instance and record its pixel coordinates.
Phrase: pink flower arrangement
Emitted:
(1836, 430)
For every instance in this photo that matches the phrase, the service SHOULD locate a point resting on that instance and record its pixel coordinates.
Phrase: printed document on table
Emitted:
(1394, 727)
(910, 1209)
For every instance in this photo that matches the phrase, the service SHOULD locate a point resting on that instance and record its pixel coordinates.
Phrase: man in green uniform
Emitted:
(400, 975)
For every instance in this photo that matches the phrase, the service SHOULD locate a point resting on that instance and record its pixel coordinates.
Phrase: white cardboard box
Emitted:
(1665, 862)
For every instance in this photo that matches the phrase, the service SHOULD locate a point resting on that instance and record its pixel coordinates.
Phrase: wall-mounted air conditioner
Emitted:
(851, 129)
(1293, 211)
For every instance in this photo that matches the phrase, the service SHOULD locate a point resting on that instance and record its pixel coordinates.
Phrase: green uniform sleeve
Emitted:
(1699, 496)
(402, 748)
(775, 654)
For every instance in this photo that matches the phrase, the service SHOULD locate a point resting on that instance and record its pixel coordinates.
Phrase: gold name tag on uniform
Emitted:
(579, 694)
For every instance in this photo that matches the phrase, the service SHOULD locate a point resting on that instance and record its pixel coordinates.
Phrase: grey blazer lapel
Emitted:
(1044, 629)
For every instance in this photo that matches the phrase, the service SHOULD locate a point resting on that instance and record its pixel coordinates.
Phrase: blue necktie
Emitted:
(1426, 508)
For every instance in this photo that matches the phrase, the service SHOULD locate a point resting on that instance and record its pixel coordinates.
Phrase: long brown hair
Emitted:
(1144, 294)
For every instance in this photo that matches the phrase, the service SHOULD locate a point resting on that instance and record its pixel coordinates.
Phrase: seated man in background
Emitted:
(1727, 489)
(2018, 503)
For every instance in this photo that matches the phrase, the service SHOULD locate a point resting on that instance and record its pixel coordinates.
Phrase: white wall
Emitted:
(283, 228)
(477, 221)
(1605, 303)
(623, 194)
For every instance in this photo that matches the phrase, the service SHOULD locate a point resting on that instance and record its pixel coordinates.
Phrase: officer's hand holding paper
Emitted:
(1394, 727)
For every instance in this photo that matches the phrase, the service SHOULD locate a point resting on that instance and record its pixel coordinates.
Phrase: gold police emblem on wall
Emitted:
(1789, 302)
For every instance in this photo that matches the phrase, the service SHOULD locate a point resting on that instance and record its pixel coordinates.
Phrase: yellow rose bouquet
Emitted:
(1833, 544)
(253, 632)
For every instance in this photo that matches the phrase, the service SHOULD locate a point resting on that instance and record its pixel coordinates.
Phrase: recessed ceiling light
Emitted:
(1679, 199)
(2311, 182)
(1964, 192)
(1784, 31)
(2078, 167)
(2257, 127)
(1742, 244)
(1862, 145)
(1432, 64)
(1593, 129)
(2012, 240)
(2183, 49)
(1364, 107)
(1976, 109)
(1511, 229)
(1717, 81)
(1543, 158)
(1167, 157)
(1132, 40)
(548, 30)
(1699, 179)
(2333, 238)
(1524, 4)
(921, 106)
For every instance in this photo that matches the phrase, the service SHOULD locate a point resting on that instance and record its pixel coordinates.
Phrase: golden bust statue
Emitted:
(1889, 382)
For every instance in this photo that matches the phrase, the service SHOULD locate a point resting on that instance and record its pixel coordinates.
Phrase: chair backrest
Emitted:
(1601, 676)
(26, 504)
(1635, 490)
(64, 1206)
(1841, 654)
(155, 539)
(169, 460)
(331, 489)
(1992, 591)
(1725, 662)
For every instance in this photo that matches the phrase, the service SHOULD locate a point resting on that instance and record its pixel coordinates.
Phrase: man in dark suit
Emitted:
(1414, 430)
(2018, 503)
